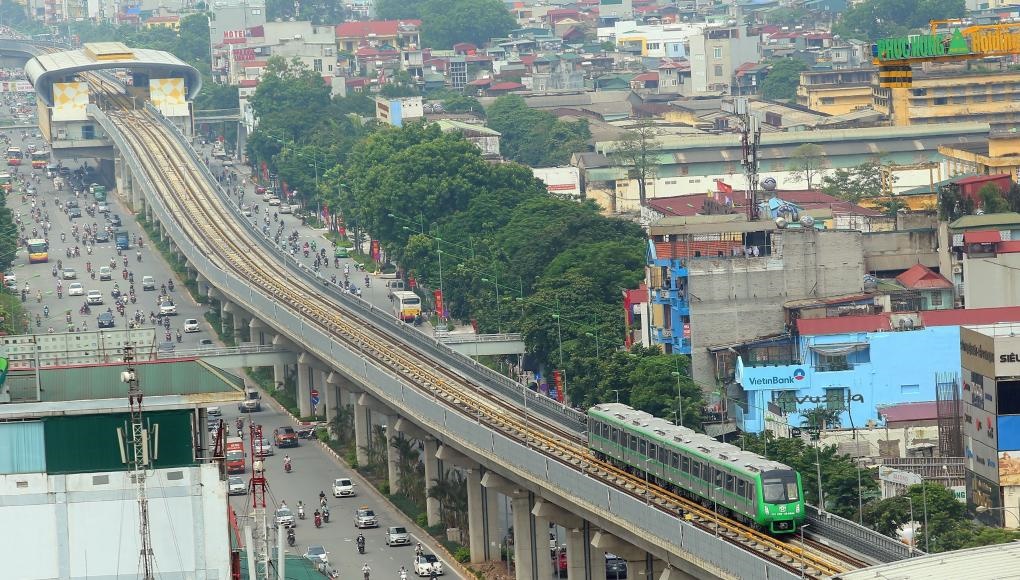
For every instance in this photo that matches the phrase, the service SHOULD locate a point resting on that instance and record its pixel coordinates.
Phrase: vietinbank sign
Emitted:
(778, 379)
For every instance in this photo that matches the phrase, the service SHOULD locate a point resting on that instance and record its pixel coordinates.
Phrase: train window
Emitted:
(633, 443)
(741, 488)
(616, 436)
(779, 487)
(696, 469)
(685, 464)
(729, 482)
(653, 451)
(642, 447)
(675, 460)
(718, 478)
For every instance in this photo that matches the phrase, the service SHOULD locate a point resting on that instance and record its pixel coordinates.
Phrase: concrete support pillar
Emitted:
(392, 456)
(238, 318)
(203, 433)
(663, 572)
(431, 475)
(476, 515)
(578, 556)
(362, 426)
(328, 394)
(494, 531)
(637, 559)
(543, 553)
(225, 309)
(524, 537)
(304, 387)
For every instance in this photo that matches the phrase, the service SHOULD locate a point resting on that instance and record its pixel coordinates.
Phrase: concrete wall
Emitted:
(900, 250)
(740, 299)
(991, 282)
(86, 525)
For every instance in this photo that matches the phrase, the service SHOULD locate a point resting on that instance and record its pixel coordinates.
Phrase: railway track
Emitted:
(193, 202)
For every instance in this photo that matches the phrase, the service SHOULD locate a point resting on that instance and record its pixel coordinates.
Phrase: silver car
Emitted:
(285, 518)
(237, 486)
(397, 536)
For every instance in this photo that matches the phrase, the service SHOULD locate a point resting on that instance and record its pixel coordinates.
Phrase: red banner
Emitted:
(375, 250)
(411, 282)
(558, 381)
(439, 302)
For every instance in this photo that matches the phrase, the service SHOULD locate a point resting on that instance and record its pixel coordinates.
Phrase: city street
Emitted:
(313, 471)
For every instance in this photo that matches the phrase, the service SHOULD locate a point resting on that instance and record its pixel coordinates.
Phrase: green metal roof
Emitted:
(987, 220)
(297, 568)
(186, 377)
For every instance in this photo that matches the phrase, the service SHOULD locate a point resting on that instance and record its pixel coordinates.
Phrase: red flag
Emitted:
(439, 302)
(723, 187)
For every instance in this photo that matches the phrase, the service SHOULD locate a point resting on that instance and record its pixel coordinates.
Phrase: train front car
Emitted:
(781, 507)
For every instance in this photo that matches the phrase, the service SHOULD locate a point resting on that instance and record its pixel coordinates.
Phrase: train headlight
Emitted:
(766, 509)
(798, 509)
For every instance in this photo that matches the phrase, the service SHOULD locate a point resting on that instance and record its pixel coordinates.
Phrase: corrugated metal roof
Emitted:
(1007, 218)
(982, 237)
(186, 377)
(984, 563)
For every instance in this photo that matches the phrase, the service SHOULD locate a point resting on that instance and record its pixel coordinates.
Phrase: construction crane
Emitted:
(140, 458)
(260, 544)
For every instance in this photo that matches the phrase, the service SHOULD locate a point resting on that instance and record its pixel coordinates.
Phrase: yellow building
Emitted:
(172, 22)
(999, 154)
(836, 92)
(952, 93)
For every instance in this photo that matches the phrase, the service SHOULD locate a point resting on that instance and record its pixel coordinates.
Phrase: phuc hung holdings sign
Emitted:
(977, 41)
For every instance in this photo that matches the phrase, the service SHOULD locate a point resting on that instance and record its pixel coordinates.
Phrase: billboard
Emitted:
(1009, 433)
(169, 96)
(1009, 468)
(69, 101)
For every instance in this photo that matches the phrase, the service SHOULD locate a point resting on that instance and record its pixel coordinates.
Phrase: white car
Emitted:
(237, 485)
(285, 518)
(168, 308)
(94, 297)
(286, 208)
(317, 554)
(343, 487)
(191, 325)
(427, 564)
(75, 289)
(213, 411)
(266, 448)
(268, 196)
(274, 201)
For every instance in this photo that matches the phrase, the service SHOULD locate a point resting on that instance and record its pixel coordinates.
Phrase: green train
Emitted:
(754, 490)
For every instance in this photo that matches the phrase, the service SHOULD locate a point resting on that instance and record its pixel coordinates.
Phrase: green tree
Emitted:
(875, 19)
(953, 204)
(533, 137)
(411, 483)
(807, 163)
(447, 22)
(463, 104)
(451, 491)
(636, 150)
(397, 9)
(783, 79)
(820, 418)
(991, 199)
(855, 183)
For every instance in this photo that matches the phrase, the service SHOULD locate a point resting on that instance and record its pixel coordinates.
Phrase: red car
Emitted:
(561, 563)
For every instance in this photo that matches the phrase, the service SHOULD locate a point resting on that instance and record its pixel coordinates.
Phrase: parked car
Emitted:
(105, 320)
(397, 536)
(191, 325)
(343, 487)
(317, 554)
(427, 564)
(237, 485)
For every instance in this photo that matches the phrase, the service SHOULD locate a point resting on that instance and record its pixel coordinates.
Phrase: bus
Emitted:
(6, 182)
(406, 305)
(40, 159)
(14, 156)
(38, 251)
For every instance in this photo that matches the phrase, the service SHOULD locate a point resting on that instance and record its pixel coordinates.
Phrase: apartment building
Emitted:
(950, 94)
(836, 92)
(717, 52)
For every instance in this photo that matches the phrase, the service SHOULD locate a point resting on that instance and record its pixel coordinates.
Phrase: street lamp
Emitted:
(679, 399)
(559, 333)
(617, 391)
(499, 315)
(924, 507)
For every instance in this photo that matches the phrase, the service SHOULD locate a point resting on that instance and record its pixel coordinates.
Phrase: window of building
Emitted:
(839, 358)
(940, 101)
(718, 70)
(910, 389)
(936, 298)
(88, 132)
(785, 400)
(317, 65)
(835, 399)
(1007, 395)
(256, 11)
(717, 52)
(828, 100)
(653, 46)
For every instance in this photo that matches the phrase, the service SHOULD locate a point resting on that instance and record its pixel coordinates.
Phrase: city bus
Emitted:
(14, 156)
(6, 182)
(406, 305)
(38, 251)
(40, 159)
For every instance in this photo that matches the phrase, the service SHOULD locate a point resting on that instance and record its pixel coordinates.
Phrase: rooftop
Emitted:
(904, 412)
(984, 563)
(921, 277)
(987, 220)
(884, 322)
(367, 28)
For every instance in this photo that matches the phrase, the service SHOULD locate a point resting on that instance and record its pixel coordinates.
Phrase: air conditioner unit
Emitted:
(957, 268)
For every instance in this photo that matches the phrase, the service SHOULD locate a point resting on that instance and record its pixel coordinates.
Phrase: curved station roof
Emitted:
(45, 69)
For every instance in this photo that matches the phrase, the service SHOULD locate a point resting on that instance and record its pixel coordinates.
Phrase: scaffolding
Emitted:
(947, 397)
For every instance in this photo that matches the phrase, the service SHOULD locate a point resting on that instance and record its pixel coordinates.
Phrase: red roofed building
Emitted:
(392, 33)
(503, 88)
(921, 414)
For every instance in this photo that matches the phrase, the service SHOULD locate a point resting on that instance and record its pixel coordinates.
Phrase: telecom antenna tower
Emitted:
(750, 139)
(139, 462)
(257, 489)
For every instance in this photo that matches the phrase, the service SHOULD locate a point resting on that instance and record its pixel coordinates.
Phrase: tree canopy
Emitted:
(535, 138)
(875, 19)
(854, 183)
(783, 79)
(447, 22)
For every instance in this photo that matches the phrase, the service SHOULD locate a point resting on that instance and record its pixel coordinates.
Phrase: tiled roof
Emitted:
(921, 277)
(908, 412)
(506, 86)
(646, 76)
(480, 83)
(980, 178)
(248, 83)
(362, 29)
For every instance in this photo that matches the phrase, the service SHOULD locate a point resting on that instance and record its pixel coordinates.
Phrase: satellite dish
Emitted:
(768, 184)
(807, 221)
(781, 222)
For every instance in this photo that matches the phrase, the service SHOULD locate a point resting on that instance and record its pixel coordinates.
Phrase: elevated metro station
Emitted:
(61, 80)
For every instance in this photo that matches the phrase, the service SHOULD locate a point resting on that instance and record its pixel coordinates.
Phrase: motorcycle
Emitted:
(291, 539)
(286, 468)
(170, 285)
(301, 512)
(325, 514)
(318, 520)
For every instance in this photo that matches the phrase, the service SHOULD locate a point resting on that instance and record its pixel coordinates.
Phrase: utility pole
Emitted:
(750, 139)
(257, 491)
(139, 463)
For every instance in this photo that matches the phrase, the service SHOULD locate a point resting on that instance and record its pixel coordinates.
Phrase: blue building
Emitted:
(855, 364)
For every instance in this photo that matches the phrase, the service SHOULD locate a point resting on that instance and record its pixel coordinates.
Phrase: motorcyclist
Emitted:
(361, 543)
(286, 462)
(366, 570)
(419, 550)
(291, 538)
(322, 497)
(300, 510)
(318, 518)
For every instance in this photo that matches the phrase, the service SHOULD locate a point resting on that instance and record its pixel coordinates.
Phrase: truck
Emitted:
(123, 240)
(235, 455)
(98, 192)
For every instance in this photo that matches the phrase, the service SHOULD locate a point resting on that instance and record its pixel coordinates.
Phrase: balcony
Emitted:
(833, 367)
